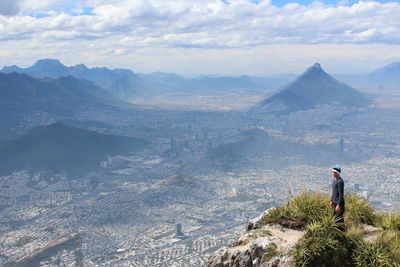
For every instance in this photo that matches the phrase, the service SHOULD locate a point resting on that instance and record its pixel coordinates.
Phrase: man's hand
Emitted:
(338, 208)
(331, 204)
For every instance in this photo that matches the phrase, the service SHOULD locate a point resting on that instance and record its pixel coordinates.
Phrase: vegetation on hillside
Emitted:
(325, 244)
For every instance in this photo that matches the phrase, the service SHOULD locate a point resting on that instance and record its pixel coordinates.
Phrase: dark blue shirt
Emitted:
(338, 191)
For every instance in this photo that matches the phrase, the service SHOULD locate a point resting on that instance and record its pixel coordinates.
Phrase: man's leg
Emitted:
(340, 215)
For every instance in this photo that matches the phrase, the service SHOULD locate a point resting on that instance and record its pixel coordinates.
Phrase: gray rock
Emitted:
(242, 259)
(249, 255)
(261, 246)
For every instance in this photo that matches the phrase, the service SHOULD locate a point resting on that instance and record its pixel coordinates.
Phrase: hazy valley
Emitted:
(102, 167)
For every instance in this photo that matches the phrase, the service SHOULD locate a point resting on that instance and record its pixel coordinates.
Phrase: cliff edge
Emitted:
(304, 232)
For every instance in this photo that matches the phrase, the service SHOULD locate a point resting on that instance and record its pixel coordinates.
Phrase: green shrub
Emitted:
(372, 254)
(308, 207)
(358, 210)
(389, 221)
(323, 244)
(354, 232)
(277, 215)
(390, 233)
(390, 239)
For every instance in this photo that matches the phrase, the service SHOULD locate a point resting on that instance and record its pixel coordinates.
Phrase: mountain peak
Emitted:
(314, 87)
(10, 69)
(315, 68)
(393, 65)
(316, 65)
(49, 61)
(80, 67)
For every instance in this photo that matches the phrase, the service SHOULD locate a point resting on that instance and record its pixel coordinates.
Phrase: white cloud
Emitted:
(213, 23)
(132, 30)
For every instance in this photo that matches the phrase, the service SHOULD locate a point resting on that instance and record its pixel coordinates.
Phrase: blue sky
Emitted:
(232, 37)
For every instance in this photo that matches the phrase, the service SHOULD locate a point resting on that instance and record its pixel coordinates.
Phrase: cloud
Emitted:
(9, 7)
(211, 23)
(235, 36)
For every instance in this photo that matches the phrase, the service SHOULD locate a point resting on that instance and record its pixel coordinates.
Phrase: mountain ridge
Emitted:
(23, 96)
(109, 79)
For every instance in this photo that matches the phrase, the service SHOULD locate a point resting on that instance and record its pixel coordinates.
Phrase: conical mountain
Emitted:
(314, 87)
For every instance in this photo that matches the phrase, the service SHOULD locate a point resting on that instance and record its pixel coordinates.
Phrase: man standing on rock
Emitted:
(337, 199)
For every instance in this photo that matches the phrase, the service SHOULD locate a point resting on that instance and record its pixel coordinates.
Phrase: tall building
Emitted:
(178, 230)
(341, 145)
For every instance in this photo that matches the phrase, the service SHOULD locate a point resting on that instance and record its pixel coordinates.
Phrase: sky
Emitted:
(192, 37)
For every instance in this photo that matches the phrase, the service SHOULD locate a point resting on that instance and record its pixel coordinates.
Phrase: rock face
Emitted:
(261, 246)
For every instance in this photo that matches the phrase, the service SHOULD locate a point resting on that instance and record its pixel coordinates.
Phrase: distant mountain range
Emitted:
(314, 87)
(61, 95)
(59, 147)
(125, 84)
(120, 82)
(23, 96)
(388, 75)
(385, 78)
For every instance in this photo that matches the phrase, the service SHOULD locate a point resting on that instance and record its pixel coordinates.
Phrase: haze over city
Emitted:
(149, 133)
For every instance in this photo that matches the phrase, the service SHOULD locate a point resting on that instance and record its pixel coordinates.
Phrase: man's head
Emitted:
(336, 171)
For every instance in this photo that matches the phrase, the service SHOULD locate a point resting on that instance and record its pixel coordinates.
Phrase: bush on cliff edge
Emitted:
(325, 244)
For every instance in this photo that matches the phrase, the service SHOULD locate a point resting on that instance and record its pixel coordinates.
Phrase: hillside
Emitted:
(303, 232)
(314, 87)
(122, 83)
(387, 77)
(255, 147)
(24, 98)
(58, 147)
(63, 95)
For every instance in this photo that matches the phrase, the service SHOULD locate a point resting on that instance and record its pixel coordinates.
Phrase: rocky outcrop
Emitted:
(261, 246)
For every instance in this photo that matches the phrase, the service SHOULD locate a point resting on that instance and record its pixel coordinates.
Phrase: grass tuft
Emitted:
(389, 221)
(322, 244)
(372, 254)
(305, 208)
(358, 210)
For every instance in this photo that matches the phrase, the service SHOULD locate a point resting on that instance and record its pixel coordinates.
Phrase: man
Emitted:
(337, 199)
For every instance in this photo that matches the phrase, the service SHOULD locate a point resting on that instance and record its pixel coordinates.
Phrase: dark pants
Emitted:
(340, 215)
